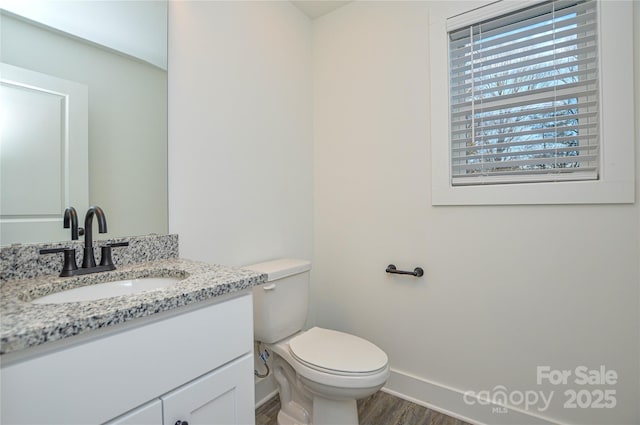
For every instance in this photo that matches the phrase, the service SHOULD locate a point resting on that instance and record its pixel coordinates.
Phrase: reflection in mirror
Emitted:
(126, 123)
(43, 131)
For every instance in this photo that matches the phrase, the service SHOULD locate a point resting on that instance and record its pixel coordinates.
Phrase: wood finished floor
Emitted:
(379, 409)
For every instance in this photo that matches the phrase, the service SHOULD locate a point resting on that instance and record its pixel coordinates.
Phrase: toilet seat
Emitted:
(357, 384)
(337, 353)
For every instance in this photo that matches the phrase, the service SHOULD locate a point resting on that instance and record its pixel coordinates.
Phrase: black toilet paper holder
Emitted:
(417, 272)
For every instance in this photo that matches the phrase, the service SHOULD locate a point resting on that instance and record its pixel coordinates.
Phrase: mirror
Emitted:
(118, 51)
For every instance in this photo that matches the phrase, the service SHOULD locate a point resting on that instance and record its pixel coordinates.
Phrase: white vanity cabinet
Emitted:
(147, 414)
(193, 364)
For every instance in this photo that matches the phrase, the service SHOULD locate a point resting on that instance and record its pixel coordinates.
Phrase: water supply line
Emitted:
(264, 355)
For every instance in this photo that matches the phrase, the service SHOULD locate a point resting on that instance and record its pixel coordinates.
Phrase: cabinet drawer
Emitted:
(95, 381)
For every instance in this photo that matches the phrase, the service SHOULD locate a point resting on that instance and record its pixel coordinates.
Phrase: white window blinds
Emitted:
(524, 96)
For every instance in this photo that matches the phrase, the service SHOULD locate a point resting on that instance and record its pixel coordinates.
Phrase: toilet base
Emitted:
(334, 412)
(285, 419)
(326, 412)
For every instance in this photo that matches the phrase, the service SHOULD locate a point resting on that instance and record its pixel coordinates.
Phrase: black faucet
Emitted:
(71, 220)
(70, 267)
(89, 260)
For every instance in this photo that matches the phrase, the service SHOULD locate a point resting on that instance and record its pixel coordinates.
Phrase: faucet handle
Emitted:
(105, 253)
(105, 256)
(70, 264)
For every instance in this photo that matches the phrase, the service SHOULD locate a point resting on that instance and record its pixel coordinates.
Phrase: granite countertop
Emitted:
(25, 325)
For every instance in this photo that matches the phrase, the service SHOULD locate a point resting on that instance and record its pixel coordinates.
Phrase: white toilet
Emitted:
(320, 372)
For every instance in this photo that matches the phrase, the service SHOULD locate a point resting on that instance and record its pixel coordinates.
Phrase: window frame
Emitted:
(617, 140)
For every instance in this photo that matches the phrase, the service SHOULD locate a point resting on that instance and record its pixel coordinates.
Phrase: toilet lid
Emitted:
(337, 351)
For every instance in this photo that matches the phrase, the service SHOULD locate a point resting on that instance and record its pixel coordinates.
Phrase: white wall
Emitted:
(486, 313)
(506, 288)
(240, 135)
(636, 73)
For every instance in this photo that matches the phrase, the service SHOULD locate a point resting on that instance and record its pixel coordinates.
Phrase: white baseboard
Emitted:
(434, 396)
(450, 401)
(266, 389)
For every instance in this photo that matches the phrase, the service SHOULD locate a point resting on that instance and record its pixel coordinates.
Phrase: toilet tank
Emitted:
(280, 305)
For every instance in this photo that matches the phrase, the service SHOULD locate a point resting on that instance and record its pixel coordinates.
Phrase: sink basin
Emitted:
(107, 290)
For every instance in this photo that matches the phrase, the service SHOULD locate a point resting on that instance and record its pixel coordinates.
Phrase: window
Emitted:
(524, 96)
(539, 103)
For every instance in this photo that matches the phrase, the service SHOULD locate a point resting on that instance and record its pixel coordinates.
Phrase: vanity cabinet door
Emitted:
(222, 397)
(148, 414)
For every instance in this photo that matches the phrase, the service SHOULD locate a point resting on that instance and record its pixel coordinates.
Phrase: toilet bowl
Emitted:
(320, 372)
(330, 370)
